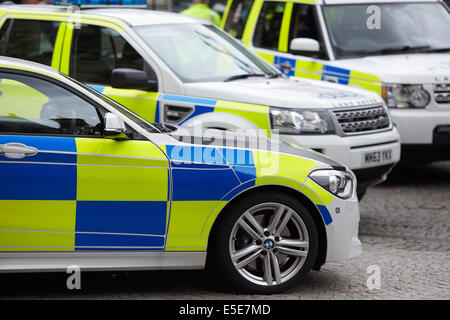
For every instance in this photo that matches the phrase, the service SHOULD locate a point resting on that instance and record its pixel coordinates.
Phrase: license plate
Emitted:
(377, 156)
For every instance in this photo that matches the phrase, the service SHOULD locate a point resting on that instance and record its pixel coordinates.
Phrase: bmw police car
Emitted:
(396, 48)
(174, 69)
(86, 182)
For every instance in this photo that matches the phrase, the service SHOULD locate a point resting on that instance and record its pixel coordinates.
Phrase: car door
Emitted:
(91, 52)
(277, 25)
(64, 186)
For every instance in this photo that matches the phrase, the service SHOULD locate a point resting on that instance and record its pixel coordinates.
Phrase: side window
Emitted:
(96, 51)
(267, 32)
(32, 40)
(31, 105)
(304, 24)
(237, 17)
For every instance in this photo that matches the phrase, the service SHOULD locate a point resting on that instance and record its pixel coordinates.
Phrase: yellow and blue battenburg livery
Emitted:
(83, 194)
(101, 194)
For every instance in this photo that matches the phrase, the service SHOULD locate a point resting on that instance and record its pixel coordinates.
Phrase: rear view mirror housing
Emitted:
(115, 127)
(127, 78)
(305, 45)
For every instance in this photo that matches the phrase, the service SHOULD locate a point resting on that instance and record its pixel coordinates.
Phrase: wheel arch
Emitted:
(317, 217)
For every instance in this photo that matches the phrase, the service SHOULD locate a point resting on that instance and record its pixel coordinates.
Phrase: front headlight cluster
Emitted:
(289, 121)
(337, 182)
(405, 96)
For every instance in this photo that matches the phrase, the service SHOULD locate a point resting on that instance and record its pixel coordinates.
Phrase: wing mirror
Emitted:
(127, 78)
(304, 44)
(115, 127)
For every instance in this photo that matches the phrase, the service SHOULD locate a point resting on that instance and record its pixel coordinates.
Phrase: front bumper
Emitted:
(352, 151)
(342, 233)
(424, 134)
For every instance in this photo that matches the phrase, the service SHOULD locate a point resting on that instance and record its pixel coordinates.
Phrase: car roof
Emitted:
(130, 16)
(14, 63)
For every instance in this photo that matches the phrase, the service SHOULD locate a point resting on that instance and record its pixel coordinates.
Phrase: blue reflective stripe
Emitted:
(157, 112)
(239, 189)
(325, 214)
(139, 217)
(343, 75)
(31, 181)
(97, 87)
(195, 154)
(245, 173)
(43, 143)
(241, 157)
(198, 111)
(189, 99)
(282, 60)
(116, 240)
(202, 185)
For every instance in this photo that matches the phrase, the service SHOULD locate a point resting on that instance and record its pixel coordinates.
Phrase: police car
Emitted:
(86, 182)
(397, 48)
(174, 69)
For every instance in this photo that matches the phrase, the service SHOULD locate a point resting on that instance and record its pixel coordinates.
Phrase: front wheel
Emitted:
(265, 243)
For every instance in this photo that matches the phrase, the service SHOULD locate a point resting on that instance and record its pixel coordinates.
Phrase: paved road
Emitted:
(405, 230)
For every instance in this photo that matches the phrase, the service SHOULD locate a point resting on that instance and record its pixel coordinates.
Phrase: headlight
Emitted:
(290, 121)
(405, 96)
(337, 182)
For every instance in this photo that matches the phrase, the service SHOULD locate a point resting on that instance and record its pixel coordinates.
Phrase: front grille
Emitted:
(363, 119)
(441, 92)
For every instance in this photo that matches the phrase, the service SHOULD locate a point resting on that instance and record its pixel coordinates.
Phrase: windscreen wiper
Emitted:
(399, 49)
(437, 50)
(244, 76)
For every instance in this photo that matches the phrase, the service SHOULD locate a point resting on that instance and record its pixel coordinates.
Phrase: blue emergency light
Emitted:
(102, 3)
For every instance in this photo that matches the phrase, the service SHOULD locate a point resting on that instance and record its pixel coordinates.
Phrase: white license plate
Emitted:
(375, 157)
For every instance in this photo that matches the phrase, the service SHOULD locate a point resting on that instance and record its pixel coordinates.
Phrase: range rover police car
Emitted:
(396, 48)
(179, 70)
(86, 182)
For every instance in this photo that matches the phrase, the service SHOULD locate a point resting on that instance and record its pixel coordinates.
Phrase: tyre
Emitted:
(264, 243)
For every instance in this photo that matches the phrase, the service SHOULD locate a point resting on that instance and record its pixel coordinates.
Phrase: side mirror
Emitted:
(114, 127)
(304, 44)
(126, 78)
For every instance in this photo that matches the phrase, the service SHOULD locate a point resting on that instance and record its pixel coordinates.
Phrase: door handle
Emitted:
(15, 150)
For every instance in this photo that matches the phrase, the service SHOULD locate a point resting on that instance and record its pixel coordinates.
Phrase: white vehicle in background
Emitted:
(396, 48)
(178, 70)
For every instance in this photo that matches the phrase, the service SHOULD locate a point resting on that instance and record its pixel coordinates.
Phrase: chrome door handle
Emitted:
(15, 150)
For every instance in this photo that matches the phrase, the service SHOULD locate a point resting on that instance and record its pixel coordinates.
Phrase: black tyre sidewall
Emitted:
(219, 249)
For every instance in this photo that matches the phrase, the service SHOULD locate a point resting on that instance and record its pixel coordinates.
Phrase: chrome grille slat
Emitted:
(363, 119)
(441, 92)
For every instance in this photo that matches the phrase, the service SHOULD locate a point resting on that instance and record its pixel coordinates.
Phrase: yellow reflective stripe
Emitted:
(225, 14)
(143, 103)
(36, 16)
(36, 241)
(103, 181)
(191, 223)
(125, 148)
(242, 106)
(48, 215)
(251, 22)
(284, 181)
(56, 59)
(315, 191)
(258, 114)
(366, 81)
(283, 44)
(308, 69)
(119, 161)
(187, 218)
(266, 56)
(65, 57)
